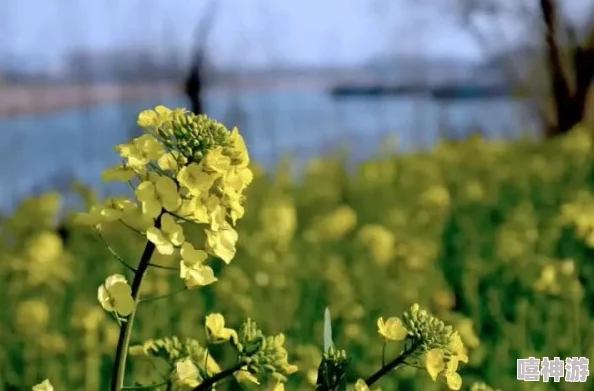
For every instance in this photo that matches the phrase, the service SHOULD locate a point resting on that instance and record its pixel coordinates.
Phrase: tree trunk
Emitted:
(570, 93)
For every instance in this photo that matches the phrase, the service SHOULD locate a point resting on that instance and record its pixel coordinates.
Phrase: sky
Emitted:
(255, 33)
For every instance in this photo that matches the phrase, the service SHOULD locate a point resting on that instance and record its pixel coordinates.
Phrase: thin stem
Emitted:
(143, 387)
(163, 296)
(384, 354)
(114, 253)
(131, 228)
(119, 364)
(207, 384)
(157, 266)
(385, 369)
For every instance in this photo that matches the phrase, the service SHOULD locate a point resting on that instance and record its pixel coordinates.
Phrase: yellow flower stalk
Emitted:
(184, 168)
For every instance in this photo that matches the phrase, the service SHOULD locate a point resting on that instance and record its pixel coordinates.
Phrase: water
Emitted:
(39, 152)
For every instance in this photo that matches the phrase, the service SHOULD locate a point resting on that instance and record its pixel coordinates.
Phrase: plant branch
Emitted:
(119, 364)
(385, 369)
(114, 253)
(157, 266)
(144, 387)
(207, 384)
(163, 296)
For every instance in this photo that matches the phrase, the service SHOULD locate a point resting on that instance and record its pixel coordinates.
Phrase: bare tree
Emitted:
(193, 85)
(568, 61)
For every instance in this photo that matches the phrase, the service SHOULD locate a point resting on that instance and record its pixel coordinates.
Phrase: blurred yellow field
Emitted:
(493, 238)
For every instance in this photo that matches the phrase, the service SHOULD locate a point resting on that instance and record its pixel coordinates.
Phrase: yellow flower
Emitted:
(141, 150)
(215, 213)
(216, 330)
(119, 173)
(192, 270)
(191, 256)
(278, 387)
(239, 152)
(434, 362)
(186, 373)
(243, 376)
(453, 380)
(132, 216)
(163, 193)
(360, 385)
(238, 178)
(44, 386)
(171, 234)
(458, 349)
(169, 161)
(116, 295)
(391, 329)
(148, 118)
(221, 243)
(97, 215)
(216, 161)
(194, 210)
(379, 241)
(195, 179)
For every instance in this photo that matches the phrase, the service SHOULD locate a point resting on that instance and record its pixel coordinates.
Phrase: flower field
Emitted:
(495, 239)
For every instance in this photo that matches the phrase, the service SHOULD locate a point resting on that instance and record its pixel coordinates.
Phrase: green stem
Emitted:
(149, 299)
(119, 364)
(144, 387)
(207, 384)
(385, 369)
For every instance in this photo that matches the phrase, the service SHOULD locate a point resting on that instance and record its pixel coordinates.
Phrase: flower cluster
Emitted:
(263, 354)
(257, 354)
(430, 344)
(184, 168)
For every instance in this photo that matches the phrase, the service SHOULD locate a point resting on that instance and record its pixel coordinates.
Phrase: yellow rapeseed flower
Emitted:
(239, 152)
(192, 270)
(186, 373)
(98, 214)
(360, 385)
(170, 235)
(437, 365)
(141, 151)
(195, 179)
(216, 330)
(434, 363)
(162, 194)
(221, 243)
(115, 295)
(43, 386)
(243, 376)
(170, 161)
(216, 161)
(392, 329)
(120, 173)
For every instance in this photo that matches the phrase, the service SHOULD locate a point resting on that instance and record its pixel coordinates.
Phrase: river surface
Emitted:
(40, 152)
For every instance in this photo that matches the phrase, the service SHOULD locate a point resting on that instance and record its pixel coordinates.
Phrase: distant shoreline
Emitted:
(31, 99)
(18, 100)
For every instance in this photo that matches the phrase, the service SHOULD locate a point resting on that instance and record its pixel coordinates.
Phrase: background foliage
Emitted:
(494, 238)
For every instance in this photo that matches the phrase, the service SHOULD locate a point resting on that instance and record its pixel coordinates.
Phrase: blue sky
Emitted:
(254, 33)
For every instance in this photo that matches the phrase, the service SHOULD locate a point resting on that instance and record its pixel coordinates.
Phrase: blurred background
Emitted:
(301, 77)
(446, 152)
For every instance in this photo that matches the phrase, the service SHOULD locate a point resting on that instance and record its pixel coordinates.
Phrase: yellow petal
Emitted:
(454, 381)
(361, 385)
(191, 256)
(163, 245)
(147, 118)
(173, 230)
(434, 363)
